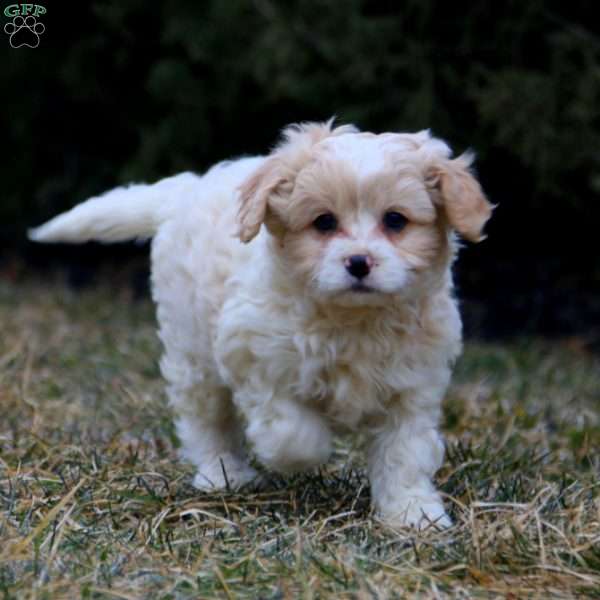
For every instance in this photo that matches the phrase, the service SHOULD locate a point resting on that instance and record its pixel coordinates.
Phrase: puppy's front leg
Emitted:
(403, 457)
(286, 436)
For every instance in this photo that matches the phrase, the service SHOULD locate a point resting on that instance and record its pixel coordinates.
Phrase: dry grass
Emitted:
(95, 504)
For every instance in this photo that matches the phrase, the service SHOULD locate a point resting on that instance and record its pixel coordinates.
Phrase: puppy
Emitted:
(303, 294)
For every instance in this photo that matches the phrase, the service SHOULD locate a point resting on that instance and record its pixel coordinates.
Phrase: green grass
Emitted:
(94, 502)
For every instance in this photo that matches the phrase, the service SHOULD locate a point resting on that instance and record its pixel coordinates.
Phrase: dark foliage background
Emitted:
(136, 91)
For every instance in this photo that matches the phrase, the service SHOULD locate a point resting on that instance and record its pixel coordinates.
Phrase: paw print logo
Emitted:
(24, 31)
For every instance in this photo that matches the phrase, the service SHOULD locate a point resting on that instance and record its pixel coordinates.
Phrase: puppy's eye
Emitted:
(394, 220)
(325, 222)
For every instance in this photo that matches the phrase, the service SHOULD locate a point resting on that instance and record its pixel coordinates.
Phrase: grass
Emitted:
(94, 502)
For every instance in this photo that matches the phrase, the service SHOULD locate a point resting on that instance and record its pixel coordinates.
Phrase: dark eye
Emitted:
(394, 221)
(326, 222)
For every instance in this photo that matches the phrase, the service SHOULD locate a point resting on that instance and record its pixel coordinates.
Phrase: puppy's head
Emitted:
(356, 216)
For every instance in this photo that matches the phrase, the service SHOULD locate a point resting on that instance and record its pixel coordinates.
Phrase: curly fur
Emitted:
(268, 342)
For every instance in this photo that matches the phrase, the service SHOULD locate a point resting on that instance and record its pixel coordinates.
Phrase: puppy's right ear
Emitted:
(276, 176)
(254, 198)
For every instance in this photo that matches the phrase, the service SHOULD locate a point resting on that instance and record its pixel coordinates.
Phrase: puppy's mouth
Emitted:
(361, 288)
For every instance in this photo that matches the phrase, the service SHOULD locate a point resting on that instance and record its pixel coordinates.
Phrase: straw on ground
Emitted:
(94, 502)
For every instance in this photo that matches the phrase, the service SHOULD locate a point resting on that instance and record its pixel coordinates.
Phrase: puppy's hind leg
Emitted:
(211, 436)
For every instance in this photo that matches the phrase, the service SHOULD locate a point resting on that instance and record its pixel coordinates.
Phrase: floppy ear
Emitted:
(254, 197)
(460, 196)
(277, 174)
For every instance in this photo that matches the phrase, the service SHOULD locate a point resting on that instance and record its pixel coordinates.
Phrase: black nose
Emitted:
(358, 266)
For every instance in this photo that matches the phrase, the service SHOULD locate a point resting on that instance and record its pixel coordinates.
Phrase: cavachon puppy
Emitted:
(302, 294)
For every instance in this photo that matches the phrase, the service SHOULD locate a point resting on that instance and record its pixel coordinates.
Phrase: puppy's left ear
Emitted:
(254, 198)
(460, 196)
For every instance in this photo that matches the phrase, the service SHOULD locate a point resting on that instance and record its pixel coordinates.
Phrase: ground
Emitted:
(94, 502)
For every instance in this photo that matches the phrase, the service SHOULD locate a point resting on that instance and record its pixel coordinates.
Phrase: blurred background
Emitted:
(136, 91)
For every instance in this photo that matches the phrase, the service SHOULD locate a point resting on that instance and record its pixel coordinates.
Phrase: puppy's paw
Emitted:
(420, 512)
(300, 441)
(226, 473)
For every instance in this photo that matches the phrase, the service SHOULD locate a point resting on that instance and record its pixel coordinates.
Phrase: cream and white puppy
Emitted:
(305, 293)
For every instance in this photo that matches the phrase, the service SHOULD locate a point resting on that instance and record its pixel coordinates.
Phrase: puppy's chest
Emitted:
(347, 376)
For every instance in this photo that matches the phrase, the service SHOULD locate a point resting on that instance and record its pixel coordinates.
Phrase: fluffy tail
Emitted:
(125, 213)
